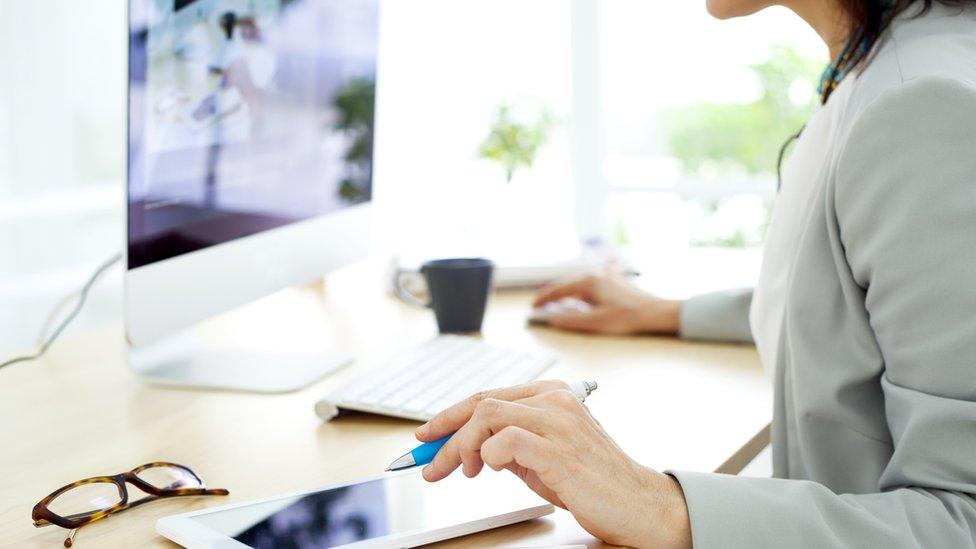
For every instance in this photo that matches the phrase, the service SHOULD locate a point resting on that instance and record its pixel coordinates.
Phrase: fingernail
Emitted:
(427, 471)
(422, 430)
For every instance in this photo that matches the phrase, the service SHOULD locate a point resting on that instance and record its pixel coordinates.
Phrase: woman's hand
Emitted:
(618, 307)
(544, 434)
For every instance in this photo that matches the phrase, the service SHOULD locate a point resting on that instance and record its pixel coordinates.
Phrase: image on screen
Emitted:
(324, 519)
(319, 520)
(245, 116)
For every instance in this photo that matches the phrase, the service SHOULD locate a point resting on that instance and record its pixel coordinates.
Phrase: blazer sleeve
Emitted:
(718, 316)
(905, 202)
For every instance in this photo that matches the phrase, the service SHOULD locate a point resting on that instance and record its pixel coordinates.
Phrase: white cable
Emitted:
(82, 296)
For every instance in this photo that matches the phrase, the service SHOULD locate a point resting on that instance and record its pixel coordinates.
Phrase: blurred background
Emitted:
(502, 124)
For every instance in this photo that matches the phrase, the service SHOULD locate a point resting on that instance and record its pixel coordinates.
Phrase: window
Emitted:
(695, 111)
(447, 70)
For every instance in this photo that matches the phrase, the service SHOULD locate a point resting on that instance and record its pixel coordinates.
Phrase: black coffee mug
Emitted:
(458, 290)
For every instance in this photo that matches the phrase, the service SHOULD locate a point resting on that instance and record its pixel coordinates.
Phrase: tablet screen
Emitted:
(324, 519)
(372, 509)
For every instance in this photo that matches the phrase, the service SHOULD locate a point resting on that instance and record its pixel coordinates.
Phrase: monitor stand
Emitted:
(182, 362)
(245, 350)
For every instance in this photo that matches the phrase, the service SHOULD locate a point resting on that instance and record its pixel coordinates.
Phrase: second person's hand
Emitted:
(617, 307)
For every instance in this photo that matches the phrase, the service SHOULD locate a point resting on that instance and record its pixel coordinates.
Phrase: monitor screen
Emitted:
(245, 116)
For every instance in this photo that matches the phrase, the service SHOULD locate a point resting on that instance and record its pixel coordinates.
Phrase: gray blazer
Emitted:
(874, 429)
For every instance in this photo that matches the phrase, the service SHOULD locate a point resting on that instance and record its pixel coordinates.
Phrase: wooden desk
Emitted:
(80, 412)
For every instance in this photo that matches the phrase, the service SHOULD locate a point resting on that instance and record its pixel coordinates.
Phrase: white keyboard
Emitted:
(423, 381)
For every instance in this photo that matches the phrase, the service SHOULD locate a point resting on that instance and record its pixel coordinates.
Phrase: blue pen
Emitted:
(421, 455)
(424, 454)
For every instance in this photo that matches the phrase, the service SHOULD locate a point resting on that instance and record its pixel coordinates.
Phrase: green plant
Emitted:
(621, 236)
(738, 239)
(355, 103)
(514, 141)
(745, 137)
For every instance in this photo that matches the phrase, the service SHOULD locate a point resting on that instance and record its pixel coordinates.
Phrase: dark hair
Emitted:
(871, 19)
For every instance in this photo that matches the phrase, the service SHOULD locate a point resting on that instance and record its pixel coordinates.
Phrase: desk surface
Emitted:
(80, 412)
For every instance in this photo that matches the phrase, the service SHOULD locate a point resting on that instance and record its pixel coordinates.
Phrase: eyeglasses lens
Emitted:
(86, 499)
(166, 477)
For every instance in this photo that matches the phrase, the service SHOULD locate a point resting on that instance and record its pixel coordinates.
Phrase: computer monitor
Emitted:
(249, 169)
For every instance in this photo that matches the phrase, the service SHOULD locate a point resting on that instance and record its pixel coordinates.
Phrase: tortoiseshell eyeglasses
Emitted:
(92, 499)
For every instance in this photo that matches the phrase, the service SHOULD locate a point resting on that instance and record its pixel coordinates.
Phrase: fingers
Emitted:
(453, 418)
(543, 414)
(464, 448)
(516, 445)
(581, 288)
(594, 321)
(560, 399)
(531, 479)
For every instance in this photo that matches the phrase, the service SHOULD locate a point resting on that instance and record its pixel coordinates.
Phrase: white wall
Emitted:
(61, 118)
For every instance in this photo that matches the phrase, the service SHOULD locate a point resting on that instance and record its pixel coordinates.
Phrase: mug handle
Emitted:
(402, 292)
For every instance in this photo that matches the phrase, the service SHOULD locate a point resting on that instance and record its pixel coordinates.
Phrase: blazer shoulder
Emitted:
(934, 48)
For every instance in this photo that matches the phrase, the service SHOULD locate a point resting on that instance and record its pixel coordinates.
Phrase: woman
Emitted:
(865, 310)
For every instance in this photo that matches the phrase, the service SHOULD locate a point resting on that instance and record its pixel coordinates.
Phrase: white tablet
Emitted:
(394, 510)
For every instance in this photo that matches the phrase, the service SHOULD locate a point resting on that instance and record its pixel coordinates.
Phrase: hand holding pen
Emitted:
(425, 453)
(544, 434)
